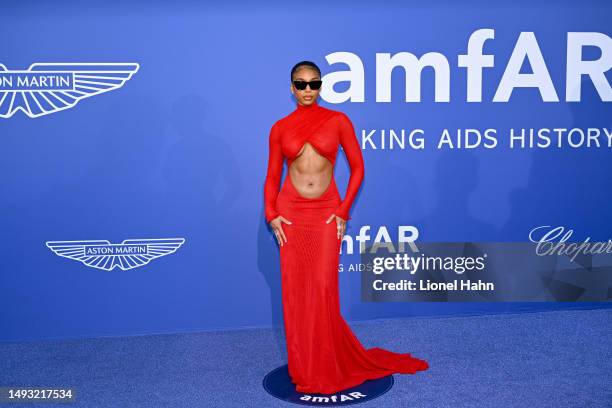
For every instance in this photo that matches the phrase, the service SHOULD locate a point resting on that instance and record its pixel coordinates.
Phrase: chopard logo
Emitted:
(546, 244)
(46, 88)
(131, 253)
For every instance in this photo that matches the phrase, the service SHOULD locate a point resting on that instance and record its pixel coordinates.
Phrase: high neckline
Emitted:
(307, 107)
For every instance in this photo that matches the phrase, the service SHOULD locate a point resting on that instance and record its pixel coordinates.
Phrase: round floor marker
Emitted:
(278, 383)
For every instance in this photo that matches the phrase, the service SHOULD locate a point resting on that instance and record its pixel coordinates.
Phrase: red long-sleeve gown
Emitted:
(324, 355)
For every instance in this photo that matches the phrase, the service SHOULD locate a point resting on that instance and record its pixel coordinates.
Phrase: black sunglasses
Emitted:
(301, 85)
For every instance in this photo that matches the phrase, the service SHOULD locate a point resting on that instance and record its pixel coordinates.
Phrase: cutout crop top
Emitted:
(325, 129)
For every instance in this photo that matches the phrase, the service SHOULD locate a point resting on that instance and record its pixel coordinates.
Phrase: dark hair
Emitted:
(305, 64)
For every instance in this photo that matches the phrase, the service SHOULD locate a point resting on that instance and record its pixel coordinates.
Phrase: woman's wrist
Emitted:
(272, 216)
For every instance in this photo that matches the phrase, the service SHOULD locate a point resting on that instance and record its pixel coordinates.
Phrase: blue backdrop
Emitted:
(179, 150)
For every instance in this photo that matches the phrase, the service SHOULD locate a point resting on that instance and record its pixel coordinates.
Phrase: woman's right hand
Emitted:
(277, 227)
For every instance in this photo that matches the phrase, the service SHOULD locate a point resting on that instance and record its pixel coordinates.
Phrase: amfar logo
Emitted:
(131, 253)
(526, 49)
(50, 87)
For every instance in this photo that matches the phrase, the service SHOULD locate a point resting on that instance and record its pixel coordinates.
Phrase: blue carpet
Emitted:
(545, 359)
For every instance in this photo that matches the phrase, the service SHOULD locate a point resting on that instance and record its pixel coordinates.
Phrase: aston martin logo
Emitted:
(46, 88)
(131, 253)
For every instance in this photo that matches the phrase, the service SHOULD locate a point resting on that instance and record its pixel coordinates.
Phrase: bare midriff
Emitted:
(310, 172)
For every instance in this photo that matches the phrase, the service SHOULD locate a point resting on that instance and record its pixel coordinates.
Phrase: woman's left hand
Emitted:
(340, 223)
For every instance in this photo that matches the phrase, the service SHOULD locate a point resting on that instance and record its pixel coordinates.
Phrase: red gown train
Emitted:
(324, 355)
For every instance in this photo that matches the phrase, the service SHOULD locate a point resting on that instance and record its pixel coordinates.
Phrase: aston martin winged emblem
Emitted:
(46, 88)
(131, 253)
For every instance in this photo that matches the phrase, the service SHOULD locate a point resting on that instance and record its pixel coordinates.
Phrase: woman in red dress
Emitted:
(309, 219)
